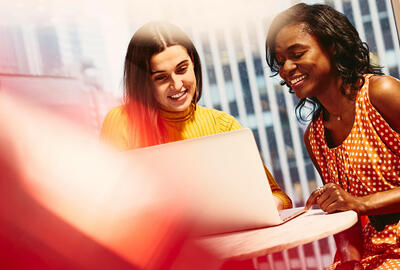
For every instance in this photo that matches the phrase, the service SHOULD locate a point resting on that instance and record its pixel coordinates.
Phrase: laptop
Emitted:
(220, 177)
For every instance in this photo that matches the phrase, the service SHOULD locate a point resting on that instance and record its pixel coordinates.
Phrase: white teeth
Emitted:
(297, 79)
(176, 96)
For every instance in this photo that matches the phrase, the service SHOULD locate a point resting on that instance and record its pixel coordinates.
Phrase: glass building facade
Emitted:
(238, 81)
(235, 74)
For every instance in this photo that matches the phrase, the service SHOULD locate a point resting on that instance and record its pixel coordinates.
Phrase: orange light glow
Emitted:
(87, 189)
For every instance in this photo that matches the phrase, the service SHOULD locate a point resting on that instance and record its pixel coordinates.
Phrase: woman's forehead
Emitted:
(292, 36)
(169, 58)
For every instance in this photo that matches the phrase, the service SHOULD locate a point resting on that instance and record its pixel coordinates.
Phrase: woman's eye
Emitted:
(182, 69)
(280, 63)
(160, 78)
(298, 55)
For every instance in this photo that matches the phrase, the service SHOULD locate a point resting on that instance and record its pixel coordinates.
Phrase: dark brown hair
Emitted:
(146, 125)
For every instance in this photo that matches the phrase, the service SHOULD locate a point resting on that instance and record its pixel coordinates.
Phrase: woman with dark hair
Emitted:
(353, 138)
(163, 84)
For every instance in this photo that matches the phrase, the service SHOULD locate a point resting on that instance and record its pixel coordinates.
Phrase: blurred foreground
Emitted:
(67, 202)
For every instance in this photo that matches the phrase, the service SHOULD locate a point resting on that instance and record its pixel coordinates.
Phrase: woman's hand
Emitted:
(278, 202)
(332, 198)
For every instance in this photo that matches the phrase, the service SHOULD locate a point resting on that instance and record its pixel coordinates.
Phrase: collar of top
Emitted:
(178, 116)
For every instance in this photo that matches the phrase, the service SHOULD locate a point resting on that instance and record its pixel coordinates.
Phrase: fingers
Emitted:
(312, 200)
(333, 199)
(325, 200)
(332, 206)
(328, 197)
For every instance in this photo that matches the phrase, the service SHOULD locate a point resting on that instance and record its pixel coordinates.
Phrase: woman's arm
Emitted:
(282, 200)
(332, 198)
(384, 93)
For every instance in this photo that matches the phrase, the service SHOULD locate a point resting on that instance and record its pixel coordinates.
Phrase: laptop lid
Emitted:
(221, 177)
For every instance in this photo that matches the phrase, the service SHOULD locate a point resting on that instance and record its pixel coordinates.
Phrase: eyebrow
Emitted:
(292, 47)
(161, 71)
(295, 46)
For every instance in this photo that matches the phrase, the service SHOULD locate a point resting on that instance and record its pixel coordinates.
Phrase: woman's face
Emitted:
(303, 64)
(173, 77)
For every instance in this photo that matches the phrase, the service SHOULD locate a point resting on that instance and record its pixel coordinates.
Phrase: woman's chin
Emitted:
(302, 92)
(177, 107)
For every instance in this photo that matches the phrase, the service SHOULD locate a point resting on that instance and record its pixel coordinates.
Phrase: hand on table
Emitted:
(332, 198)
(278, 202)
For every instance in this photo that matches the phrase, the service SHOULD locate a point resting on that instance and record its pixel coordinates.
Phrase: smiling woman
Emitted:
(303, 63)
(174, 78)
(163, 84)
(353, 138)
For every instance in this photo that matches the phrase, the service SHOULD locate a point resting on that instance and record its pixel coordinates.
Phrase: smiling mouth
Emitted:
(178, 95)
(298, 79)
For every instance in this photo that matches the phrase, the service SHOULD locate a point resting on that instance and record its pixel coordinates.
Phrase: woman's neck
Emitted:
(335, 102)
(174, 116)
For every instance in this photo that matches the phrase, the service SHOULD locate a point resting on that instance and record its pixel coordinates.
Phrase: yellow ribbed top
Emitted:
(194, 122)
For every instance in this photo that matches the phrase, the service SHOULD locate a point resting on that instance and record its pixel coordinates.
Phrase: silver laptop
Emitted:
(220, 177)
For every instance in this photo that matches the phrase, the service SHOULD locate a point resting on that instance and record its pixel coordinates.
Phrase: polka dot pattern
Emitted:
(367, 161)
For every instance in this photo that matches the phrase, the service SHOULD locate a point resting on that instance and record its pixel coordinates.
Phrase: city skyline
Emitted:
(91, 47)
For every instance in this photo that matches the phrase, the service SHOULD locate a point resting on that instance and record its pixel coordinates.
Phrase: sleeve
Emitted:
(226, 122)
(277, 191)
(114, 130)
(232, 124)
(235, 125)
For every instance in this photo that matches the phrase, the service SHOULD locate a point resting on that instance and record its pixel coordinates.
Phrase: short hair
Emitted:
(337, 36)
(140, 103)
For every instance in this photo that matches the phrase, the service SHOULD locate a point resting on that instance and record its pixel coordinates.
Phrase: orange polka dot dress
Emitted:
(368, 161)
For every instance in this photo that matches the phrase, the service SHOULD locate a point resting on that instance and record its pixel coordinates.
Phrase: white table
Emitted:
(310, 226)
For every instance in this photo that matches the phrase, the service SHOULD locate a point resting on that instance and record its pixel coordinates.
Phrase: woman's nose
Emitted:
(176, 82)
(288, 67)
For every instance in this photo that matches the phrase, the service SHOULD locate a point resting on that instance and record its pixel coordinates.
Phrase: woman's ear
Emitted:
(332, 50)
(332, 53)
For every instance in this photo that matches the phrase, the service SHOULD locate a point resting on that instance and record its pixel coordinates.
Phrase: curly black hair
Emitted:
(338, 38)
